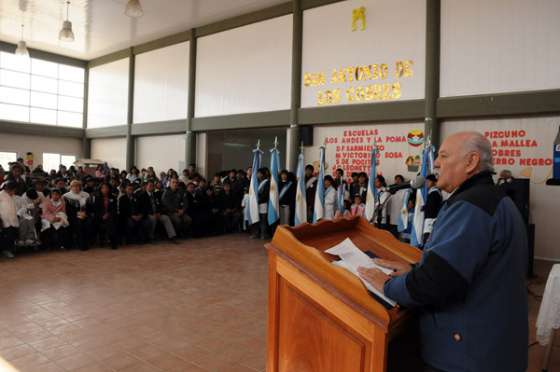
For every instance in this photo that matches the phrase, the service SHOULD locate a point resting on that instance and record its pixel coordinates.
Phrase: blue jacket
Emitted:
(470, 284)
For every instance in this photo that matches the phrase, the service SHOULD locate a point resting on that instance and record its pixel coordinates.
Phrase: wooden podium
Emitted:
(321, 318)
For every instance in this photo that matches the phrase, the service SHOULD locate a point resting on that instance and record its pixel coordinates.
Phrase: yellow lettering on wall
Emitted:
(359, 15)
(396, 90)
(384, 71)
(403, 69)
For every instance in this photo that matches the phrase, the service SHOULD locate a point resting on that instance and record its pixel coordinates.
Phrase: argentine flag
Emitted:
(301, 202)
(254, 186)
(417, 233)
(371, 196)
(403, 216)
(340, 191)
(319, 203)
(274, 199)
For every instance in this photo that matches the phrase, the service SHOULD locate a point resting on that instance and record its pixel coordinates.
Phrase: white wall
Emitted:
(111, 150)
(531, 161)
(108, 94)
(161, 152)
(395, 31)
(161, 84)
(499, 46)
(246, 69)
(349, 147)
(21, 144)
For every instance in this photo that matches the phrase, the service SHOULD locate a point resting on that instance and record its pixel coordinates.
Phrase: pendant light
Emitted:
(134, 9)
(66, 33)
(21, 49)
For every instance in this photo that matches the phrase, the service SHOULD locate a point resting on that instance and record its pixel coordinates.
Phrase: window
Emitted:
(6, 158)
(52, 161)
(41, 92)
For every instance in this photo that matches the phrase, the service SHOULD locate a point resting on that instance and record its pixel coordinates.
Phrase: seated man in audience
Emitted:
(150, 201)
(9, 223)
(174, 205)
(80, 215)
(136, 224)
(28, 212)
(106, 217)
(230, 209)
(54, 220)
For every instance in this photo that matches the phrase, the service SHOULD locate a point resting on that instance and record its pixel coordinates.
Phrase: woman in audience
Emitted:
(54, 220)
(260, 229)
(78, 209)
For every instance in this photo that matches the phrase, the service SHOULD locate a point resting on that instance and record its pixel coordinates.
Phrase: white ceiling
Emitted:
(101, 27)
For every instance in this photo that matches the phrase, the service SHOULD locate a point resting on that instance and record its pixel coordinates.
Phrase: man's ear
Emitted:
(473, 162)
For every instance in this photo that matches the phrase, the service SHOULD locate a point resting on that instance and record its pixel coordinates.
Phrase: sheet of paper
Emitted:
(352, 258)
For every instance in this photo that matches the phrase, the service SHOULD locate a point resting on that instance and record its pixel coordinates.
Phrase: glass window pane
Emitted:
(42, 116)
(6, 158)
(16, 113)
(44, 68)
(50, 161)
(13, 62)
(43, 100)
(70, 104)
(68, 88)
(14, 79)
(70, 119)
(71, 73)
(43, 84)
(67, 160)
(14, 95)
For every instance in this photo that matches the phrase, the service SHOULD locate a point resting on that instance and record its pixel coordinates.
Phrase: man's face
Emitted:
(308, 172)
(190, 188)
(16, 171)
(130, 190)
(453, 165)
(149, 187)
(173, 184)
(60, 184)
(55, 196)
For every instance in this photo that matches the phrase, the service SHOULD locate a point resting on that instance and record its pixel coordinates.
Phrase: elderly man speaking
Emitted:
(470, 283)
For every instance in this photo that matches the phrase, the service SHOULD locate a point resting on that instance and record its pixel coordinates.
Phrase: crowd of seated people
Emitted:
(73, 209)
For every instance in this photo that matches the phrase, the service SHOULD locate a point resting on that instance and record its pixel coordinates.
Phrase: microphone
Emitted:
(416, 183)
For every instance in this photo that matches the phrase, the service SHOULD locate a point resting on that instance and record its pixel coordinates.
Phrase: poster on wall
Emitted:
(523, 146)
(349, 148)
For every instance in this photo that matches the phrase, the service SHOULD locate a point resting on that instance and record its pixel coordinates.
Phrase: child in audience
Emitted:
(54, 219)
(358, 208)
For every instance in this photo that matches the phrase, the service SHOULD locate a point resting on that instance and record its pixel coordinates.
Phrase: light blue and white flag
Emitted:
(254, 186)
(340, 193)
(274, 198)
(402, 223)
(417, 233)
(301, 202)
(372, 193)
(319, 202)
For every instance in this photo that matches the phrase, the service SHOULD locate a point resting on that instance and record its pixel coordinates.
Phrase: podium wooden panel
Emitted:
(320, 316)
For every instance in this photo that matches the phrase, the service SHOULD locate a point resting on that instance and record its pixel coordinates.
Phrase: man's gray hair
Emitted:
(476, 142)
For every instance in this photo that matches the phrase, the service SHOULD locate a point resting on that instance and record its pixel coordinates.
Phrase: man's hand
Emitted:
(375, 277)
(180, 212)
(399, 268)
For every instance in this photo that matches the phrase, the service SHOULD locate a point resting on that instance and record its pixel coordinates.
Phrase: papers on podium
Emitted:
(351, 258)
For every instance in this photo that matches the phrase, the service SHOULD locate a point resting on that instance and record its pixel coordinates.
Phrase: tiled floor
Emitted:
(200, 306)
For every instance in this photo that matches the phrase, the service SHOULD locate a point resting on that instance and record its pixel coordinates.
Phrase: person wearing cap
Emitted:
(9, 222)
(434, 201)
(16, 176)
